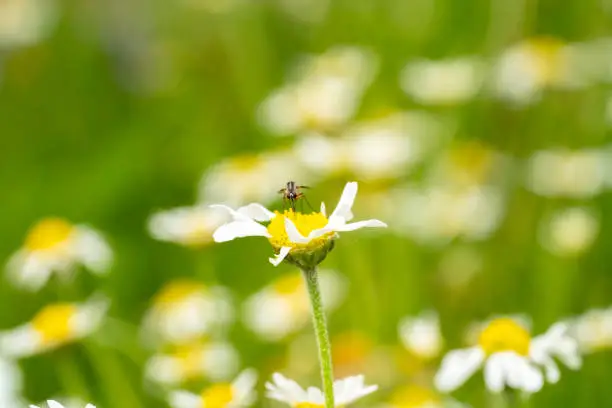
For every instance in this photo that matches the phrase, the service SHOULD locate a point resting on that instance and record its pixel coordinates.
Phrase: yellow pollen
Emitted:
(505, 334)
(307, 405)
(289, 284)
(414, 396)
(53, 323)
(217, 396)
(47, 234)
(177, 291)
(305, 223)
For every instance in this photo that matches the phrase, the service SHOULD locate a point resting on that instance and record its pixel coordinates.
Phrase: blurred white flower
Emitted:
(323, 94)
(240, 393)
(566, 173)
(53, 326)
(217, 361)
(282, 308)
(186, 310)
(569, 232)
(248, 178)
(55, 245)
(376, 149)
(346, 391)
(510, 358)
(421, 334)
(444, 82)
(527, 68)
(25, 22)
(55, 404)
(437, 215)
(190, 226)
(593, 330)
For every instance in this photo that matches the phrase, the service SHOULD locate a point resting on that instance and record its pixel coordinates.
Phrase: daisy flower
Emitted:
(239, 393)
(445, 82)
(569, 232)
(301, 239)
(185, 310)
(189, 226)
(421, 335)
(346, 391)
(216, 361)
(324, 93)
(593, 330)
(510, 358)
(250, 177)
(26, 22)
(56, 245)
(526, 69)
(53, 326)
(416, 396)
(578, 173)
(282, 307)
(55, 404)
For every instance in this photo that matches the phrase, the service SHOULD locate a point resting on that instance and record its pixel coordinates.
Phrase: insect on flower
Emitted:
(292, 193)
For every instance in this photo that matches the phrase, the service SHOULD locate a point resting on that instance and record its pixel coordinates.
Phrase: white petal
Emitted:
(256, 212)
(183, 399)
(239, 229)
(524, 376)
(345, 205)
(21, 341)
(243, 385)
(54, 404)
(361, 224)
(92, 250)
(323, 209)
(495, 372)
(28, 270)
(457, 366)
(293, 233)
(90, 406)
(282, 254)
(237, 216)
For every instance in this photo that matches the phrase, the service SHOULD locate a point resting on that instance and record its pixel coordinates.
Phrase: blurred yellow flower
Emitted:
(185, 310)
(282, 307)
(214, 360)
(53, 326)
(56, 245)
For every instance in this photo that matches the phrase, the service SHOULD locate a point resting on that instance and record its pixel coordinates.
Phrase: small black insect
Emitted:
(291, 193)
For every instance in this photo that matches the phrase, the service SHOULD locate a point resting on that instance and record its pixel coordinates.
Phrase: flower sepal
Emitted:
(308, 258)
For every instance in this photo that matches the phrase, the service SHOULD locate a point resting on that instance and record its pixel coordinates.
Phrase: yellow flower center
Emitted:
(505, 334)
(307, 405)
(53, 323)
(177, 291)
(548, 59)
(217, 396)
(305, 223)
(414, 396)
(47, 234)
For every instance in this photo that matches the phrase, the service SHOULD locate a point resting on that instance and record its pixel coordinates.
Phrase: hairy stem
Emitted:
(320, 328)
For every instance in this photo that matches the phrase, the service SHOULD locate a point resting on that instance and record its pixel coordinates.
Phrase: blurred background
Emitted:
(478, 130)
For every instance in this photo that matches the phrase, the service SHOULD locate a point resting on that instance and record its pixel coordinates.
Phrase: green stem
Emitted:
(320, 328)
